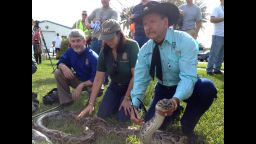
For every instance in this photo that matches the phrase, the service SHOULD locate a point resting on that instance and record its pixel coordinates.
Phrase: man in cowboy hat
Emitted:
(172, 55)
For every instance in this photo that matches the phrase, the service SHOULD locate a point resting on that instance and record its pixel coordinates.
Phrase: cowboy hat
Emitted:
(165, 8)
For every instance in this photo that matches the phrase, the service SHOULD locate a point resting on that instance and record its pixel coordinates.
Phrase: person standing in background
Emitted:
(216, 56)
(192, 18)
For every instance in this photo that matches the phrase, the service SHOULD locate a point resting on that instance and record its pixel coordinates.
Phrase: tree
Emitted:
(125, 17)
(126, 12)
(63, 48)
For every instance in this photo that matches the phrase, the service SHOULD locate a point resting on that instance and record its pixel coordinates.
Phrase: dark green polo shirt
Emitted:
(119, 72)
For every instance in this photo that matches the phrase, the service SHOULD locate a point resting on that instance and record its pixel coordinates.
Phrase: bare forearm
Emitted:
(128, 91)
(61, 66)
(216, 20)
(87, 83)
(99, 78)
(198, 26)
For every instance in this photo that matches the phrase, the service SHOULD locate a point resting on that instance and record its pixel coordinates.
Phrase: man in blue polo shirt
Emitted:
(76, 68)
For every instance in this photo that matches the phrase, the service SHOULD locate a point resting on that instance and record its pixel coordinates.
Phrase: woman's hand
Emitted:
(126, 105)
(88, 110)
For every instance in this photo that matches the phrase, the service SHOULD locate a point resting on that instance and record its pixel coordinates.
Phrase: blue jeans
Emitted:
(96, 45)
(216, 54)
(201, 99)
(111, 102)
(141, 40)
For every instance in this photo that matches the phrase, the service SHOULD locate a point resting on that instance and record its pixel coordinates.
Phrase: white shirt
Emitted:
(58, 40)
(218, 12)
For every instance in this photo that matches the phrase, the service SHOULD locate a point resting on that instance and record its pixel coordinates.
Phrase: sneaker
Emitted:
(218, 72)
(51, 97)
(210, 73)
(34, 107)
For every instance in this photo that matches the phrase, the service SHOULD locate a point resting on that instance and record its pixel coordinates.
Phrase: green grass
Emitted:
(209, 130)
(211, 124)
(110, 139)
(203, 65)
(69, 126)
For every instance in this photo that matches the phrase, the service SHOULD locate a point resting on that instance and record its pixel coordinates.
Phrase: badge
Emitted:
(124, 56)
(86, 61)
(169, 66)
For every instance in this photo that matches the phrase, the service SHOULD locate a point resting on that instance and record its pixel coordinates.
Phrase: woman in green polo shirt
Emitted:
(117, 58)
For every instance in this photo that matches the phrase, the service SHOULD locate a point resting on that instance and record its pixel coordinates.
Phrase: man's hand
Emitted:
(77, 92)
(68, 74)
(88, 26)
(135, 116)
(175, 103)
(195, 36)
(88, 110)
(126, 104)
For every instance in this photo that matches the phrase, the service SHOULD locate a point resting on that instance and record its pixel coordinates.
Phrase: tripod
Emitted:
(42, 36)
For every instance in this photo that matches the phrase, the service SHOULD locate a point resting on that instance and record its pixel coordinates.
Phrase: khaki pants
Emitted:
(63, 87)
(192, 32)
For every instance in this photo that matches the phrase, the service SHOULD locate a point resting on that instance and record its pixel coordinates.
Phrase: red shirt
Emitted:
(36, 38)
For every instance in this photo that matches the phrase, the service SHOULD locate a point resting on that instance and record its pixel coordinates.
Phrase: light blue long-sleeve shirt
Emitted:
(179, 65)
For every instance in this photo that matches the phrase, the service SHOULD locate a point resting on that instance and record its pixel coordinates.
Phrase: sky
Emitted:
(66, 12)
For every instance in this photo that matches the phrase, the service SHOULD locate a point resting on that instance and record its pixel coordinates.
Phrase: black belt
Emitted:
(167, 87)
(120, 84)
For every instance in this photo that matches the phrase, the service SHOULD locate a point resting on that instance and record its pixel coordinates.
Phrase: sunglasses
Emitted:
(84, 14)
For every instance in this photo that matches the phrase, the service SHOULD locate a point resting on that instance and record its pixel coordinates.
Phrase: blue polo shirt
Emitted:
(84, 64)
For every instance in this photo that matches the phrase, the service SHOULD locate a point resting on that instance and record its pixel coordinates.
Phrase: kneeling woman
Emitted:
(117, 58)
